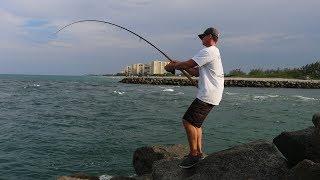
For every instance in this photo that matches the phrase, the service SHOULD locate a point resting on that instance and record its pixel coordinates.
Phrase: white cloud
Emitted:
(247, 26)
(59, 44)
(251, 39)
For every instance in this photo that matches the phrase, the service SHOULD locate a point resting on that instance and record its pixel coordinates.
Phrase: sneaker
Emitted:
(202, 156)
(189, 161)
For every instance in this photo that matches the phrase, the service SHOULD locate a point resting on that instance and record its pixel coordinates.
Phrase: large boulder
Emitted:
(305, 170)
(143, 177)
(82, 176)
(256, 160)
(299, 145)
(122, 178)
(78, 176)
(144, 157)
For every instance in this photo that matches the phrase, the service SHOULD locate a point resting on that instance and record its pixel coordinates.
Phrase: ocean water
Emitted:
(61, 125)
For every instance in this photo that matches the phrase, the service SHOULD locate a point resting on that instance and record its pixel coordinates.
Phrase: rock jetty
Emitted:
(229, 82)
(291, 156)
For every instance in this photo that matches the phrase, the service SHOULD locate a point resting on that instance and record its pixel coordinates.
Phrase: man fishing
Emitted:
(206, 65)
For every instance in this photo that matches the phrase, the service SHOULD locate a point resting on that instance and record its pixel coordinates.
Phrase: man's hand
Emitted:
(170, 67)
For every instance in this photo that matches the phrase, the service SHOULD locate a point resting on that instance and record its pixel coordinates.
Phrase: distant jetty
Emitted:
(229, 82)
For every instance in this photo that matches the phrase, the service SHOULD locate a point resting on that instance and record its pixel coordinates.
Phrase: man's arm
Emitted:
(185, 65)
(190, 66)
(194, 71)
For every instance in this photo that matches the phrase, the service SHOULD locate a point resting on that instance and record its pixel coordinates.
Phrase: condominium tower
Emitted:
(152, 68)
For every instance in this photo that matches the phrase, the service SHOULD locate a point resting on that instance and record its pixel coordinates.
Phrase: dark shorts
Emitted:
(197, 112)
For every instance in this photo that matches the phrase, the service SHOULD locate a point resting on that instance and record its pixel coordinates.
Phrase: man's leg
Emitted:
(192, 134)
(192, 121)
(199, 140)
(193, 157)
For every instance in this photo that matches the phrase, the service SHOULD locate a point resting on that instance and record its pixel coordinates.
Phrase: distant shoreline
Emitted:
(229, 82)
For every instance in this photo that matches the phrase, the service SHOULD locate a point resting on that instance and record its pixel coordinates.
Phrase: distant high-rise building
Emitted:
(137, 69)
(147, 69)
(157, 67)
(153, 68)
(127, 70)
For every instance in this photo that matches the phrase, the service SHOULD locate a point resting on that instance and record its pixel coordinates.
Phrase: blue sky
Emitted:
(254, 33)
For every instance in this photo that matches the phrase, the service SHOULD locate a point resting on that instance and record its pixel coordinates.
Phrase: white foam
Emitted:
(105, 177)
(179, 93)
(168, 90)
(118, 92)
(260, 97)
(33, 85)
(306, 98)
(229, 93)
(273, 96)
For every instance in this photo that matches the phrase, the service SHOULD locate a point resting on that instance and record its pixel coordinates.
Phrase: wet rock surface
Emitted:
(254, 160)
(144, 157)
(305, 170)
(299, 145)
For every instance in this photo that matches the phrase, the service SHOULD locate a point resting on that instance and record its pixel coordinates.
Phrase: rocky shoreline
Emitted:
(229, 82)
(290, 156)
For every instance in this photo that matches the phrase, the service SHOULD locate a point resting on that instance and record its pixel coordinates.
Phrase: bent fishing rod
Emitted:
(106, 22)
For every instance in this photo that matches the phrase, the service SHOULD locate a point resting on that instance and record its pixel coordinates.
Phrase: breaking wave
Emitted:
(105, 177)
(306, 98)
(168, 90)
(273, 96)
(229, 93)
(30, 86)
(260, 97)
(118, 92)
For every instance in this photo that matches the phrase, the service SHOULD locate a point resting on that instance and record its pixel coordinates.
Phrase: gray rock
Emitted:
(256, 160)
(299, 145)
(143, 177)
(122, 178)
(305, 170)
(143, 158)
(78, 176)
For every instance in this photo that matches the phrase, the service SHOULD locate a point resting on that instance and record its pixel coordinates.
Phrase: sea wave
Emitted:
(303, 98)
(108, 177)
(119, 92)
(30, 86)
(5, 95)
(230, 93)
(260, 97)
(263, 97)
(272, 96)
(168, 90)
(179, 93)
(105, 177)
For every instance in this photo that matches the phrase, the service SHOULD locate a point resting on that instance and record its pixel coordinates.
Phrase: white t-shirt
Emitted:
(211, 76)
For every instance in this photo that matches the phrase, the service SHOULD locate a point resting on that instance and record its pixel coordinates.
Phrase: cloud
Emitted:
(10, 19)
(253, 39)
(250, 29)
(266, 41)
(59, 44)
